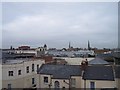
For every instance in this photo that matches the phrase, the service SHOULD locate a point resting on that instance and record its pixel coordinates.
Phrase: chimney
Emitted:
(84, 65)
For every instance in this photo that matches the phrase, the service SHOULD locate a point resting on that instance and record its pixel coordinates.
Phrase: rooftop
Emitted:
(8, 56)
(60, 71)
(14, 61)
(108, 55)
(98, 61)
(99, 73)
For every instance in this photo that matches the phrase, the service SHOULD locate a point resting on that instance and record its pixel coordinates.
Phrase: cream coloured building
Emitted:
(94, 76)
(59, 76)
(99, 76)
(20, 73)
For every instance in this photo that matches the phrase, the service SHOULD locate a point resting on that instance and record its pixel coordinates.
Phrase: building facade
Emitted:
(20, 74)
(59, 76)
(77, 76)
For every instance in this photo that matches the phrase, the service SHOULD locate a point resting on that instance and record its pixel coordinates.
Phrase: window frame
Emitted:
(19, 72)
(33, 67)
(9, 86)
(27, 69)
(73, 82)
(45, 79)
(92, 85)
(33, 81)
(10, 73)
(37, 67)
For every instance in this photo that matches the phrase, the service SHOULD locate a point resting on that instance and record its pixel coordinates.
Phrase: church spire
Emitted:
(69, 45)
(89, 45)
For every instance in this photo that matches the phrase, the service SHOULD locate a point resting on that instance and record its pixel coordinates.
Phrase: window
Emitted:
(27, 69)
(33, 80)
(32, 67)
(63, 88)
(19, 72)
(9, 86)
(37, 67)
(57, 84)
(73, 82)
(92, 85)
(45, 79)
(10, 73)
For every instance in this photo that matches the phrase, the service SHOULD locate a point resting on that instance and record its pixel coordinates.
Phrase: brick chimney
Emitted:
(84, 65)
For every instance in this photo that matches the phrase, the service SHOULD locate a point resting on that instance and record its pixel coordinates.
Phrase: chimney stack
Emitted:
(84, 64)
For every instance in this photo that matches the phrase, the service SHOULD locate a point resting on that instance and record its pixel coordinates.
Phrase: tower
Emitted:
(69, 45)
(11, 47)
(89, 45)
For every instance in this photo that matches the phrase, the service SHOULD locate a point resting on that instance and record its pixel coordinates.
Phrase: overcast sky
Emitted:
(56, 24)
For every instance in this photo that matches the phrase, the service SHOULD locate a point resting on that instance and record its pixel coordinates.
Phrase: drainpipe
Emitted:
(24, 69)
(67, 83)
(50, 82)
(113, 67)
(114, 61)
(84, 84)
(39, 80)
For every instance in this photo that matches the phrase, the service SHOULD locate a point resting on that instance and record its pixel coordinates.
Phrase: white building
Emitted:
(80, 53)
(31, 51)
(20, 73)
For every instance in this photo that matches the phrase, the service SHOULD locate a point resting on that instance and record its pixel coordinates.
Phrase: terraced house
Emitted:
(96, 74)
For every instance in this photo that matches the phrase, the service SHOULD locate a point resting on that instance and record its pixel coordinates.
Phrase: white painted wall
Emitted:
(78, 81)
(41, 81)
(51, 81)
(118, 83)
(62, 83)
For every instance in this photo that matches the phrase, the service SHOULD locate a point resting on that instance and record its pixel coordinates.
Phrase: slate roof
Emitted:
(99, 72)
(108, 55)
(6, 55)
(117, 71)
(60, 71)
(97, 61)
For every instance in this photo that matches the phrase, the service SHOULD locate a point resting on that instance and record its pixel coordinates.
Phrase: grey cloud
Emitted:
(58, 23)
